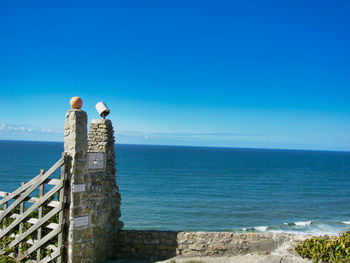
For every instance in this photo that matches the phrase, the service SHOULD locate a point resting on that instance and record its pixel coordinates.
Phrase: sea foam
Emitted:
(306, 223)
(261, 228)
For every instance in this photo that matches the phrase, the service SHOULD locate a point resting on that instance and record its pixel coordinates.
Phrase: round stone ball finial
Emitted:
(76, 103)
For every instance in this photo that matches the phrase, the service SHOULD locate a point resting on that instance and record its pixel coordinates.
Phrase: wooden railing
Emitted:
(30, 223)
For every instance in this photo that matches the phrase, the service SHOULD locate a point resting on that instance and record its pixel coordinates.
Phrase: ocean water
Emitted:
(212, 189)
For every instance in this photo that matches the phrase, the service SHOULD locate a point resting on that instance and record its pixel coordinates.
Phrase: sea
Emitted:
(212, 189)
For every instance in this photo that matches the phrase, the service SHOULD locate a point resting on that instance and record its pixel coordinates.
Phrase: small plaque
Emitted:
(81, 221)
(96, 160)
(79, 188)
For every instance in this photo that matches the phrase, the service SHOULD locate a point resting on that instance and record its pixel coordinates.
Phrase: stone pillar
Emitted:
(79, 244)
(103, 193)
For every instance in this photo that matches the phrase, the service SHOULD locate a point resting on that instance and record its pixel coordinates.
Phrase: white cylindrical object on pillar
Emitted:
(102, 109)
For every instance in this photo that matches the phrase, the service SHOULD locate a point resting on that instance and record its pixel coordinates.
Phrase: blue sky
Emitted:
(270, 74)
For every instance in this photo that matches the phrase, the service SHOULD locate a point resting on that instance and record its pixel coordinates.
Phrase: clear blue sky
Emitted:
(272, 74)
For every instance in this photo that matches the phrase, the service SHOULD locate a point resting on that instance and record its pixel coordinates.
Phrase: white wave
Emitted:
(307, 223)
(261, 228)
(314, 228)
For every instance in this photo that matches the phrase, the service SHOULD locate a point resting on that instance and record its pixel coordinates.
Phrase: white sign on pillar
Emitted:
(81, 221)
(79, 188)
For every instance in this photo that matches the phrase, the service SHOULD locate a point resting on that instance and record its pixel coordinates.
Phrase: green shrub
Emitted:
(7, 239)
(326, 249)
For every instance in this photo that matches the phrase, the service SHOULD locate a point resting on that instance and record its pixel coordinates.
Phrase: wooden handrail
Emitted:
(37, 182)
(10, 201)
(22, 188)
(31, 209)
(34, 227)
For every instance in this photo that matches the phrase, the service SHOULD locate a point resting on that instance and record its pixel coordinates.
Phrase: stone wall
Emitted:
(92, 220)
(146, 244)
(167, 244)
(79, 243)
(101, 187)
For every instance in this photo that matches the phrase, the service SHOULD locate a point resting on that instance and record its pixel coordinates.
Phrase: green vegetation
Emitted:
(24, 246)
(326, 249)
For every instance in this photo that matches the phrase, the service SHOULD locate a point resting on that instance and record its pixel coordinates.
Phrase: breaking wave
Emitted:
(310, 227)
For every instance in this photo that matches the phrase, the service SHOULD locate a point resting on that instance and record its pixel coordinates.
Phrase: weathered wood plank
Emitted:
(14, 216)
(3, 194)
(33, 181)
(35, 199)
(38, 244)
(21, 210)
(2, 252)
(21, 195)
(37, 182)
(52, 181)
(53, 255)
(51, 247)
(52, 225)
(50, 204)
(53, 203)
(37, 225)
(31, 209)
(32, 221)
(60, 216)
(30, 242)
(40, 214)
(3, 221)
(19, 190)
(49, 226)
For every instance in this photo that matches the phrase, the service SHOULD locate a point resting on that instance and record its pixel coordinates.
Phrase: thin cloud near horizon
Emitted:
(22, 128)
(187, 134)
(212, 138)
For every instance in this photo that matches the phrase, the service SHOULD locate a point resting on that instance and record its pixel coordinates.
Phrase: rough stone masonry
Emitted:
(75, 145)
(167, 244)
(94, 199)
(104, 197)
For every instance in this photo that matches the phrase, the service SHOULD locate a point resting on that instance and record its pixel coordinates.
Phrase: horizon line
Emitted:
(198, 146)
